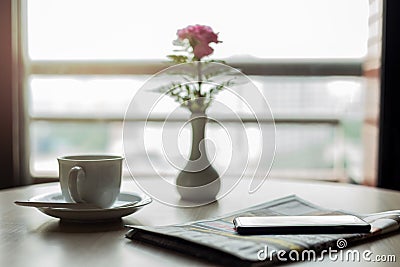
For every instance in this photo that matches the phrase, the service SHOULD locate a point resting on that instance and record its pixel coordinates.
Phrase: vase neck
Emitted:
(198, 122)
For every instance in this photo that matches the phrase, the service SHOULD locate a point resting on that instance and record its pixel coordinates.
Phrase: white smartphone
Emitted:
(324, 224)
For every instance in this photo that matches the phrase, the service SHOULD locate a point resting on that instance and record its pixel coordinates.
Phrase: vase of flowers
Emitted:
(198, 181)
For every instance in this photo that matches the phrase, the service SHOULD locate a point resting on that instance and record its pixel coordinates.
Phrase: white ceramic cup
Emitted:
(94, 179)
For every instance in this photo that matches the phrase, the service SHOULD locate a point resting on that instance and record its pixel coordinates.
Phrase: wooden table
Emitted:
(30, 238)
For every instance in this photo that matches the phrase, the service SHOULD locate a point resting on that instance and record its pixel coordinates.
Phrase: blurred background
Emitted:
(83, 61)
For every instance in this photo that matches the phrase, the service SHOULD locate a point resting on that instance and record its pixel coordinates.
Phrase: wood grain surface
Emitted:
(30, 238)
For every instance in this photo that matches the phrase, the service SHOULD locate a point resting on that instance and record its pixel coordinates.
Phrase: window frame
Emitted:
(6, 95)
(389, 130)
(276, 67)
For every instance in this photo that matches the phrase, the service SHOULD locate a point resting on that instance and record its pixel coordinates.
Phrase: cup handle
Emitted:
(73, 183)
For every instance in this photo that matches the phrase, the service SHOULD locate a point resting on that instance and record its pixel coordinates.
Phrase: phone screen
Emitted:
(301, 224)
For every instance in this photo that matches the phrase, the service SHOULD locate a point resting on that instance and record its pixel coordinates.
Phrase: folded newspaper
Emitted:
(216, 239)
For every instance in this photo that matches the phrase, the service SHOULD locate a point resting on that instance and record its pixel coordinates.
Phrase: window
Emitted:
(84, 60)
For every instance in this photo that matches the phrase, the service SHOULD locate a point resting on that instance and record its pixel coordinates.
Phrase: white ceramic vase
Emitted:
(198, 181)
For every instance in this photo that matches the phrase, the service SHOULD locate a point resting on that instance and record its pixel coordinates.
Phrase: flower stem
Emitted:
(199, 77)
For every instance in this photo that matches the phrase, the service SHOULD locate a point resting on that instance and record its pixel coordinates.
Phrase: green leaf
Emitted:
(178, 58)
(217, 61)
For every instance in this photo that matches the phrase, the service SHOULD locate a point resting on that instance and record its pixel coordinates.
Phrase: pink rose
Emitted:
(199, 36)
(202, 50)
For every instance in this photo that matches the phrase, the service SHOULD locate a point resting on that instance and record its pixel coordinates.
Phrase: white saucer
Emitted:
(115, 212)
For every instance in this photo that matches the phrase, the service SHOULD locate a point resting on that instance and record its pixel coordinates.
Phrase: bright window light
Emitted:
(125, 29)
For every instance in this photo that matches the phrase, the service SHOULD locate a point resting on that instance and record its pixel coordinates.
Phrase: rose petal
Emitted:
(201, 50)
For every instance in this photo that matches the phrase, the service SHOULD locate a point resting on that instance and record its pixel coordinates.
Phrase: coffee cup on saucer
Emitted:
(93, 179)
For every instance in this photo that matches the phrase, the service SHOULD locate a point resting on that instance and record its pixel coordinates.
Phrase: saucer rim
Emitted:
(93, 215)
(141, 196)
